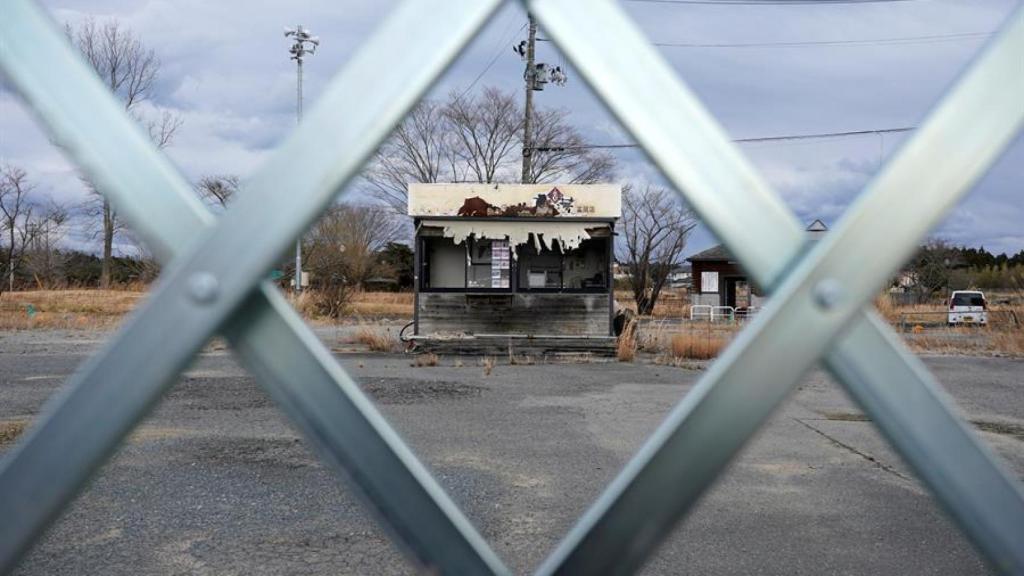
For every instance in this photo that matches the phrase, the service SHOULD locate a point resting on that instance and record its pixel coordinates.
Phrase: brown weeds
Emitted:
(696, 346)
(11, 429)
(488, 365)
(66, 309)
(376, 340)
(425, 360)
(381, 304)
(625, 348)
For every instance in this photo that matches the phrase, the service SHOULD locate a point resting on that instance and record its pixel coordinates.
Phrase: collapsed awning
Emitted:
(540, 234)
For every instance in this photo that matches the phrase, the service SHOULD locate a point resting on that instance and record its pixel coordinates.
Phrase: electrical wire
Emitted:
(897, 40)
(497, 55)
(740, 140)
(863, 42)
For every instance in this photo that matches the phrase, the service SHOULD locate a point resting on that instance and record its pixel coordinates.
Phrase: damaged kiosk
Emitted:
(514, 268)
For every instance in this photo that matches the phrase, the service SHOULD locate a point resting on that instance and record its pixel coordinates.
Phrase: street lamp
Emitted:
(304, 43)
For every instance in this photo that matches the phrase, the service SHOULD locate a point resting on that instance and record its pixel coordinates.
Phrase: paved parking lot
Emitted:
(216, 482)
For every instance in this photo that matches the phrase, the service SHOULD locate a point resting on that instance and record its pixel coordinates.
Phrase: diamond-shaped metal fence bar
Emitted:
(812, 276)
(816, 295)
(272, 341)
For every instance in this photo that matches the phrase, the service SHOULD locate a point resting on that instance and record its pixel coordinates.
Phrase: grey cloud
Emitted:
(226, 71)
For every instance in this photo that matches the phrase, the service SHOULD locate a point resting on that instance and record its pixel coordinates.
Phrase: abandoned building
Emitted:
(718, 279)
(514, 266)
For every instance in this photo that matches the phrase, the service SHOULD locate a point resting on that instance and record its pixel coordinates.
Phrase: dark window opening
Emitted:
(443, 264)
(584, 269)
(487, 265)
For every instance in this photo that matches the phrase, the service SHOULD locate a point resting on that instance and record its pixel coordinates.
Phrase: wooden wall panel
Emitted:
(530, 314)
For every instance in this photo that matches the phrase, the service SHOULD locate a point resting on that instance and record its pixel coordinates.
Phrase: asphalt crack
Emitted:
(874, 461)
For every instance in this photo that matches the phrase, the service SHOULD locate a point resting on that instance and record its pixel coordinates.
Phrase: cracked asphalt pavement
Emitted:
(217, 482)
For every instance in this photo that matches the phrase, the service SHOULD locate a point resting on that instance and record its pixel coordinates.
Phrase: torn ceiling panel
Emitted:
(540, 234)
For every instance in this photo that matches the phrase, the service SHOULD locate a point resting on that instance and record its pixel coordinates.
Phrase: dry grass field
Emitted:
(664, 336)
(670, 304)
(74, 309)
(95, 309)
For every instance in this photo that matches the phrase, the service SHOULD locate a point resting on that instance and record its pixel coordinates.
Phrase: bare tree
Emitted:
(44, 259)
(655, 226)
(129, 70)
(485, 131)
(419, 150)
(15, 221)
(561, 153)
(931, 268)
(477, 138)
(343, 245)
(218, 190)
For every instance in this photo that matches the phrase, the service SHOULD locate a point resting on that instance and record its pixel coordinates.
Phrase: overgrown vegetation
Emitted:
(487, 363)
(696, 346)
(377, 340)
(78, 309)
(10, 430)
(625, 347)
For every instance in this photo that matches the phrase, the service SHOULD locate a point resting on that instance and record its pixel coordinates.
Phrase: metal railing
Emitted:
(722, 313)
(213, 284)
(701, 311)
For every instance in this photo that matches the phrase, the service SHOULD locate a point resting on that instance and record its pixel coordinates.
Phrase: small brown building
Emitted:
(718, 279)
(522, 266)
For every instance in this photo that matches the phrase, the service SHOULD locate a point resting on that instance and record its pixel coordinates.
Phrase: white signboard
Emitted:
(516, 200)
(709, 281)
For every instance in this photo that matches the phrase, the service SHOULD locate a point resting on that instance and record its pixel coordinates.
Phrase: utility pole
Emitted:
(530, 76)
(536, 76)
(304, 44)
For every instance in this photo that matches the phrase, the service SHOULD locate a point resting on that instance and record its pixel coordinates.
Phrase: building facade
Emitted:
(514, 261)
(718, 279)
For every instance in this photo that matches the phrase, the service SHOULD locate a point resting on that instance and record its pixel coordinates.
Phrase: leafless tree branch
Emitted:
(655, 226)
(129, 70)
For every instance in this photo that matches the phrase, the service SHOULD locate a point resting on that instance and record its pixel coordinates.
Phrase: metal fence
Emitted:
(729, 314)
(213, 283)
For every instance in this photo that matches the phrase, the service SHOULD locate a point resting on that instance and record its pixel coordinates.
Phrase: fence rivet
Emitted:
(203, 287)
(828, 293)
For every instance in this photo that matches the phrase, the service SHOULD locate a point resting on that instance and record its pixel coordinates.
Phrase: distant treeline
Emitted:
(980, 259)
(64, 268)
(979, 268)
(939, 267)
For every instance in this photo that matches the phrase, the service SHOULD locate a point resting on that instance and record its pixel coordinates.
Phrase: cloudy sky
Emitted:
(844, 67)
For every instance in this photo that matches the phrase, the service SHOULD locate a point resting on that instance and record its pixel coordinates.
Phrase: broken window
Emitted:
(488, 264)
(541, 269)
(586, 267)
(583, 269)
(444, 263)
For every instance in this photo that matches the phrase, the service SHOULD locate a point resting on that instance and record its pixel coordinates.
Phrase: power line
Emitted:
(497, 54)
(898, 40)
(827, 135)
(737, 140)
(862, 42)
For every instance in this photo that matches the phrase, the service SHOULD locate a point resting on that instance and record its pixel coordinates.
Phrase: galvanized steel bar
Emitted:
(920, 420)
(779, 247)
(695, 154)
(274, 343)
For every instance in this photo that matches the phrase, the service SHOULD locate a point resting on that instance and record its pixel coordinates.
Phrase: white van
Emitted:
(967, 307)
